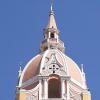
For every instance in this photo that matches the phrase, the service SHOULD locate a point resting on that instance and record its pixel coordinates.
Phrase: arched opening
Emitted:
(54, 87)
(52, 35)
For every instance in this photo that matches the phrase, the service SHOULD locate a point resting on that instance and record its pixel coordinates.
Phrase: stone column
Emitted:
(45, 88)
(49, 34)
(68, 91)
(68, 94)
(57, 38)
(62, 88)
(40, 88)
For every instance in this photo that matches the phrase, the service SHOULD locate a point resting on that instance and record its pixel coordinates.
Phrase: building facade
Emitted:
(52, 75)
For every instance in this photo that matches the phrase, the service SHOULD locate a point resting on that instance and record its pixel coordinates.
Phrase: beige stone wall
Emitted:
(27, 95)
(20, 96)
(86, 96)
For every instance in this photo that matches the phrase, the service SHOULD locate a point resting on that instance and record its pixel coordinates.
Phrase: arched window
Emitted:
(54, 87)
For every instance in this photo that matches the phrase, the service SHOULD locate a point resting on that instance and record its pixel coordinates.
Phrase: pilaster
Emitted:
(40, 88)
(65, 91)
(45, 81)
(62, 88)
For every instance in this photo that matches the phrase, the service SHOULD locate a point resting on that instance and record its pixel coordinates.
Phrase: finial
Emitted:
(20, 70)
(83, 73)
(82, 68)
(51, 5)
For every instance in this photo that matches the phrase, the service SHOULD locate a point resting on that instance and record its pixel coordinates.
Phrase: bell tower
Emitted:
(51, 74)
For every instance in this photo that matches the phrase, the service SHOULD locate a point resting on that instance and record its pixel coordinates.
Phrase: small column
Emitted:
(57, 38)
(40, 88)
(49, 34)
(45, 88)
(68, 91)
(63, 88)
(68, 94)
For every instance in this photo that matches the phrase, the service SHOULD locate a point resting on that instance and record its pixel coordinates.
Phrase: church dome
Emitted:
(36, 64)
(49, 46)
(51, 74)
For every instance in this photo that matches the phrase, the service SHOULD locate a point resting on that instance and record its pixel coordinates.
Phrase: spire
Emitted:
(51, 34)
(51, 22)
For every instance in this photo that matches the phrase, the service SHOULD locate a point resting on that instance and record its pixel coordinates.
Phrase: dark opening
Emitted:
(54, 87)
(52, 35)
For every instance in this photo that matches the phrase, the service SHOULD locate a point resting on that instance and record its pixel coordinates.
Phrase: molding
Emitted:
(30, 81)
(29, 91)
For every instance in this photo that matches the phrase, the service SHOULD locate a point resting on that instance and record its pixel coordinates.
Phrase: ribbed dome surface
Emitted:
(34, 65)
(32, 68)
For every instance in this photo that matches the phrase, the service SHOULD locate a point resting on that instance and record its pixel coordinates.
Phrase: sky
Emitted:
(21, 31)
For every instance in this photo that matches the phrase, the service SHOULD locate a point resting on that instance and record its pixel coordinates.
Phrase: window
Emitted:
(52, 35)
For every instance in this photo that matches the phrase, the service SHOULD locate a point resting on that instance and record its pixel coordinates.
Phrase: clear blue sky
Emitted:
(21, 31)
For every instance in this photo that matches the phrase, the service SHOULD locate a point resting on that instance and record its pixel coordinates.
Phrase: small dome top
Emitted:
(34, 66)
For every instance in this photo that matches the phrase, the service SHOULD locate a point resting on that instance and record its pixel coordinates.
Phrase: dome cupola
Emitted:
(51, 35)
